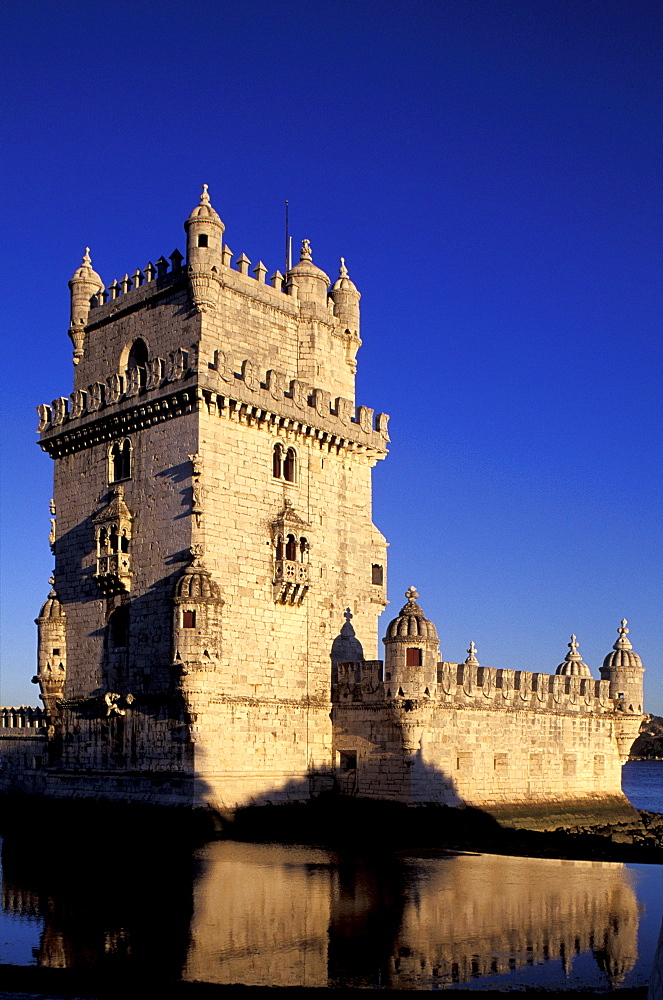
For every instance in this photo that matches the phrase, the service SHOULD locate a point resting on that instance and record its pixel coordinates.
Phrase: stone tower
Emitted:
(623, 669)
(213, 497)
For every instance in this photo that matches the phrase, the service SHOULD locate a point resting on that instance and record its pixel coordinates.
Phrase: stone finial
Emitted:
(305, 253)
(196, 551)
(204, 197)
(343, 271)
(347, 614)
(412, 594)
(86, 257)
(471, 657)
(623, 642)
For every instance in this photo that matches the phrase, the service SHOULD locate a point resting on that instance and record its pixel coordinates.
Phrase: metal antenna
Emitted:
(288, 241)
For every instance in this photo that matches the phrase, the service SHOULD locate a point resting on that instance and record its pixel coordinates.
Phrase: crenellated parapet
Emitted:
(470, 686)
(24, 717)
(234, 387)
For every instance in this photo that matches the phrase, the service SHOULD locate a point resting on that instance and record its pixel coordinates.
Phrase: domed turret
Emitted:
(51, 651)
(411, 652)
(572, 665)
(623, 668)
(345, 297)
(204, 237)
(196, 583)
(85, 283)
(197, 616)
(312, 282)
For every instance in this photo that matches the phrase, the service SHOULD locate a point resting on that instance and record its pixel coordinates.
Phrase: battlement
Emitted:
(269, 395)
(470, 686)
(24, 717)
(134, 288)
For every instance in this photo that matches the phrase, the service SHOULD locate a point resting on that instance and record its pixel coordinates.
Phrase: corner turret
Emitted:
(412, 652)
(204, 257)
(345, 297)
(51, 651)
(85, 283)
(312, 282)
(623, 668)
(197, 606)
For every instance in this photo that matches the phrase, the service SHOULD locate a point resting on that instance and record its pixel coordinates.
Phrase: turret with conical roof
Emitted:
(85, 283)
(572, 665)
(204, 238)
(412, 652)
(623, 668)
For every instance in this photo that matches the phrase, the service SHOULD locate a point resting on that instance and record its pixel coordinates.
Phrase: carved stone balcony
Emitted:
(114, 572)
(291, 581)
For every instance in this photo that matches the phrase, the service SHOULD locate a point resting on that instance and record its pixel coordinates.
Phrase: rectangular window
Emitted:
(189, 619)
(412, 657)
(501, 764)
(569, 765)
(377, 575)
(347, 760)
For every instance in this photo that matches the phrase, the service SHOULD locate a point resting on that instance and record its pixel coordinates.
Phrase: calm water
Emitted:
(266, 914)
(642, 783)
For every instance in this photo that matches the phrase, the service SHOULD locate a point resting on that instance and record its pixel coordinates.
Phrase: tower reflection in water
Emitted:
(287, 916)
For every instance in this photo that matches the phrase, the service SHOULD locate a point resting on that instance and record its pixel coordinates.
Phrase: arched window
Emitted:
(277, 461)
(291, 548)
(289, 466)
(303, 548)
(138, 359)
(284, 463)
(120, 461)
(279, 547)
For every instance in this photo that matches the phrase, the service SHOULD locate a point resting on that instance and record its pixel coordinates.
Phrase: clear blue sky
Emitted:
(489, 169)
